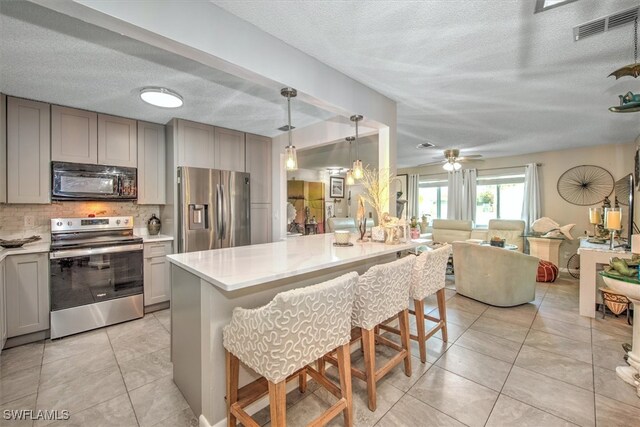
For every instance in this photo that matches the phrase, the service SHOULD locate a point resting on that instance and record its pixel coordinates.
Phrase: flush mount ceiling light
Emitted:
(161, 97)
(358, 172)
(290, 157)
(542, 5)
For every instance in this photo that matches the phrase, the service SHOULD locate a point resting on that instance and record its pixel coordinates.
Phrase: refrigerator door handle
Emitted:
(223, 232)
(218, 211)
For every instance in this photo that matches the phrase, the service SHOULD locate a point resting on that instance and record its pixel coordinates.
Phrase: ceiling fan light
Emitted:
(161, 97)
(456, 166)
(349, 179)
(448, 167)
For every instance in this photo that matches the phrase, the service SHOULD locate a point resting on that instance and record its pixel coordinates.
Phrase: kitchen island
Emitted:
(207, 285)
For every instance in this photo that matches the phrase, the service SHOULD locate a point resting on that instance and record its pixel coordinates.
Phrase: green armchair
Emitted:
(494, 276)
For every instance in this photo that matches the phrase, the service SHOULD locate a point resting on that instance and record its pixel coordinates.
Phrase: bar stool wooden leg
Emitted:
(302, 381)
(405, 338)
(344, 369)
(442, 310)
(320, 364)
(278, 403)
(422, 340)
(369, 347)
(233, 371)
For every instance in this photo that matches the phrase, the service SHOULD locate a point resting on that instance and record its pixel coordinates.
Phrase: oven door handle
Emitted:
(96, 251)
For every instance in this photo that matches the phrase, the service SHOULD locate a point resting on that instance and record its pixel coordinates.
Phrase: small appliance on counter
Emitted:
(75, 181)
(96, 272)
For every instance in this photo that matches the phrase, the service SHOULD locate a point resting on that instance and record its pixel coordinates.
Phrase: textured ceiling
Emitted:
(489, 77)
(336, 154)
(51, 57)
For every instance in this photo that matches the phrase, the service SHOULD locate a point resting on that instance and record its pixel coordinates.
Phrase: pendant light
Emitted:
(290, 157)
(357, 170)
(349, 179)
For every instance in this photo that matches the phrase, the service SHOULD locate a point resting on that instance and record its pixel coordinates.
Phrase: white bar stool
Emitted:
(280, 340)
(382, 293)
(428, 278)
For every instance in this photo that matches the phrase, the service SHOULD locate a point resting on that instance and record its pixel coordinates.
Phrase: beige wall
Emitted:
(617, 159)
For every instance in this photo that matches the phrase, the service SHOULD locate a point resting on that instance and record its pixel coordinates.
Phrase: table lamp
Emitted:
(613, 222)
(595, 218)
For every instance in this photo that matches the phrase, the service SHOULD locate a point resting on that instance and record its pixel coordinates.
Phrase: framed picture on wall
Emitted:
(400, 185)
(336, 187)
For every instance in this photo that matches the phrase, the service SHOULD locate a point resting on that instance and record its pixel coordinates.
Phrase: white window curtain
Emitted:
(531, 208)
(461, 203)
(413, 196)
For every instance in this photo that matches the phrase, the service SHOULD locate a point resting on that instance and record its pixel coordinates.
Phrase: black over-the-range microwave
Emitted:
(75, 181)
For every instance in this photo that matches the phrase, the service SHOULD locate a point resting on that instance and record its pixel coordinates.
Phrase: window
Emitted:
(432, 198)
(542, 5)
(499, 197)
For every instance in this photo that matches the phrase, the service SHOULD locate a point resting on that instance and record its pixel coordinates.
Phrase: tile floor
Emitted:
(117, 376)
(540, 364)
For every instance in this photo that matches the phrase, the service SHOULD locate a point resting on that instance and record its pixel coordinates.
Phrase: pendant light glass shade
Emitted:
(357, 170)
(349, 179)
(290, 157)
(448, 167)
(456, 166)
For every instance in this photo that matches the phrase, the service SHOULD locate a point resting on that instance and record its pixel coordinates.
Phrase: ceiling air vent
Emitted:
(607, 23)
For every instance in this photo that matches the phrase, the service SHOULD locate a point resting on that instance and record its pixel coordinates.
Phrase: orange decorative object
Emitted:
(547, 272)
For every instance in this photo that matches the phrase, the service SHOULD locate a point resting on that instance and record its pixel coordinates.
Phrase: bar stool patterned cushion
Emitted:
(382, 292)
(295, 329)
(428, 275)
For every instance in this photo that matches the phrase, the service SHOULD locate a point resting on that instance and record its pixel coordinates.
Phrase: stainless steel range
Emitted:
(96, 269)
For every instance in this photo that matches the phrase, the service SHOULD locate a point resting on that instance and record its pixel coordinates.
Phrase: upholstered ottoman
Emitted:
(547, 272)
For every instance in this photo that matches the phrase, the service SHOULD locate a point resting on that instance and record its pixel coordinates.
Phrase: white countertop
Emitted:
(235, 268)
(600, 247)
(157, 238)
(29, 248)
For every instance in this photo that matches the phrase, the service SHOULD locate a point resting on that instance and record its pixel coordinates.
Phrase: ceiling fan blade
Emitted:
(470, 157)
(441, 162)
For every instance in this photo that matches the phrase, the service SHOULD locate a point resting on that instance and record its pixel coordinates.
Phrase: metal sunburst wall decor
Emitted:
(585, 185)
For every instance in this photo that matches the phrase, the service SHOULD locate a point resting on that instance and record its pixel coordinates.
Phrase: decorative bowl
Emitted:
(16, 243)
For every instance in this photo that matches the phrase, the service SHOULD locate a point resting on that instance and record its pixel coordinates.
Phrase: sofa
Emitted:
(451, 230)
(348, 224)
(493, 275)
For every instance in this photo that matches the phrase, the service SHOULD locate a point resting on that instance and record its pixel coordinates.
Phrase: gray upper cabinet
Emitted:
(28, 151)
(195, 142)
(4, 332)
(27, 290)
(74, 135)
(151, 164)
(229, 150)
(258, 150)
(3, 148)
(117, 141)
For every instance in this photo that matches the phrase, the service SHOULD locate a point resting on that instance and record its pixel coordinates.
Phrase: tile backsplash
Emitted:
(13, 223)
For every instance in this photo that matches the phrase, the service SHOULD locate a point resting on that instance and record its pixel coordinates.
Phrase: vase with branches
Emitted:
(376, 185)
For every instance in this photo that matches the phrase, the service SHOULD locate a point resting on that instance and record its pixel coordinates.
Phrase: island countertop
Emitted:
(236, 268)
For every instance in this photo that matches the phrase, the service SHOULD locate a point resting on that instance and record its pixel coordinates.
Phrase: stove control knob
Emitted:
(59, 223)
(118, 221)
(69, 223)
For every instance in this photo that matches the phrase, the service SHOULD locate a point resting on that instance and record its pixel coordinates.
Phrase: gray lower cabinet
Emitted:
(28, 151)
(156, 273)
(260, 223)
(27, 292)
(3, 308)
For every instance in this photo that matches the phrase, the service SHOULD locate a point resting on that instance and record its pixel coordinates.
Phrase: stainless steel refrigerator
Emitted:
(214, 209)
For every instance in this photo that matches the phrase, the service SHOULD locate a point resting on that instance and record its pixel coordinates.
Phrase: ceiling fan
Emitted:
(452, 160)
